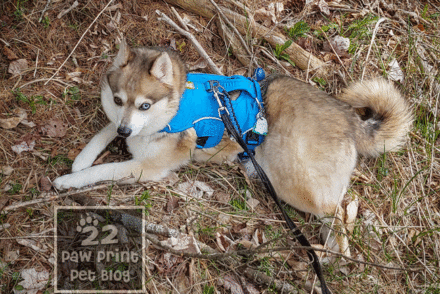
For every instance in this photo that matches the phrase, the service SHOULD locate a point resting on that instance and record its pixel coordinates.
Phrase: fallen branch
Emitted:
(247, 26)
(260, 278)
(52, 197)
(193, 40)
(64, 12)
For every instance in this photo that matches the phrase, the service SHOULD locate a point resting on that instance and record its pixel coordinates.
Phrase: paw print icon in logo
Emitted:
(90, 224)
(89, 221)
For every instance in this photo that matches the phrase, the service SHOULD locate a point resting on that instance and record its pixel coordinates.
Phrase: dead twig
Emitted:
(52, 197)
(44, 10)
(193, 40)
(371, 44)
(182, 23)
(64, 12)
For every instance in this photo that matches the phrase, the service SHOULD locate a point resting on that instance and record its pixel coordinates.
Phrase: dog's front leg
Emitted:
(131, 170)
(88, 155)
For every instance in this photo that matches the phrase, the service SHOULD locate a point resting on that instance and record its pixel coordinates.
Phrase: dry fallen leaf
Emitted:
(6, 170)
(9, 123)
(32, 244)
(395, 73)
(222, 197)
(323, 7)
(351, 213)
(33, 281)
(9, 53)
(195, 189)
(339, 43)
(16, 67)
(73, 153)
(223, 242)
(173, 203)
(54, 128)
(182, 243)
(25, 143)
(12, 255)
(45, 184)
(252, 202)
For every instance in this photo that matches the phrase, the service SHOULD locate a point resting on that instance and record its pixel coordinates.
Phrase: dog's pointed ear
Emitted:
(162, 69)
(124, 55)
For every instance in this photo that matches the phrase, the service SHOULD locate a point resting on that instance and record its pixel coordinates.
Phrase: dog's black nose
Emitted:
(124, 132)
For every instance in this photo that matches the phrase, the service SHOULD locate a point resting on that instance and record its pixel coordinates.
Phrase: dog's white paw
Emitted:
(82, 162)
(68, 181)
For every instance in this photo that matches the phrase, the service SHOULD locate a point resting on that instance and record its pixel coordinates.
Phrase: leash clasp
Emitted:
(214, 88)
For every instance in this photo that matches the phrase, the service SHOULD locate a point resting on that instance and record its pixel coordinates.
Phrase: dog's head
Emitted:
(141, 91)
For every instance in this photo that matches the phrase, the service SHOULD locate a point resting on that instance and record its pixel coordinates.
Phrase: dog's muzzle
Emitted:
(124, 132)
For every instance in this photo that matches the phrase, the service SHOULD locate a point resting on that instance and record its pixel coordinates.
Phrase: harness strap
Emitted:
(268, 185)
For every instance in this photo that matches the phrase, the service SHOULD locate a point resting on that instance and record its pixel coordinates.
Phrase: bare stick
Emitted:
(44, 10)
(371, 44)
(182, 23)
(79, 41)
(52, 197)
(64, 12)
(193, 40)
(36, 63)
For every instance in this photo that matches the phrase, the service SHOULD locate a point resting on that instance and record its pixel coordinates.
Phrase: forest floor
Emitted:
(51, 66)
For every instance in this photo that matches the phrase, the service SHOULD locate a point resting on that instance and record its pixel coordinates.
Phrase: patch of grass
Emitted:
(319, 33)
(59, 159)
(109, 192)
(266, 266)
(298, 30)
(208, 289)
(72, 94)
(19, 10)
(30, 212)
(279, 52)
(32, 101)
(273, 233)
(425, 123)
(359, 30)
(239, 204)
(15, 188)
(321, 82)
(45, 21)
(74, 26)
(144, 200)
(382, 170)
(206, 230)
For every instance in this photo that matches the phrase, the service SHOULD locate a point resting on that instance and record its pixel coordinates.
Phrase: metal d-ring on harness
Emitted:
(228, 117)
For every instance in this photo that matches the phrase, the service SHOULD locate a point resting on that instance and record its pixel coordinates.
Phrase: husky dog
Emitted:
(309, 153)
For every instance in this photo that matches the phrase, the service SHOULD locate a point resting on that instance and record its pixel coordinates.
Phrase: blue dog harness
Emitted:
(199, 109)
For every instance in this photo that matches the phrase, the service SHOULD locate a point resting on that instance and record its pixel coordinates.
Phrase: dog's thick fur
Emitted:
(309, 153)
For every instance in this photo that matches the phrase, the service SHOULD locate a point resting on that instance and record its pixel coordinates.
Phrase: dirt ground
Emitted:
(51, 63)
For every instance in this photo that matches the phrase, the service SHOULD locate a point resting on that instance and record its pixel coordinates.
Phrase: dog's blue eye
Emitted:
(144, 106)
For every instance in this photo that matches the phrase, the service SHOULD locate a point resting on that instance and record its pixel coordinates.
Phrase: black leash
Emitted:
(232, 131)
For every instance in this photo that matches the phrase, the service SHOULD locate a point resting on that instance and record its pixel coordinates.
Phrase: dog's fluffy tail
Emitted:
(387, 116)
